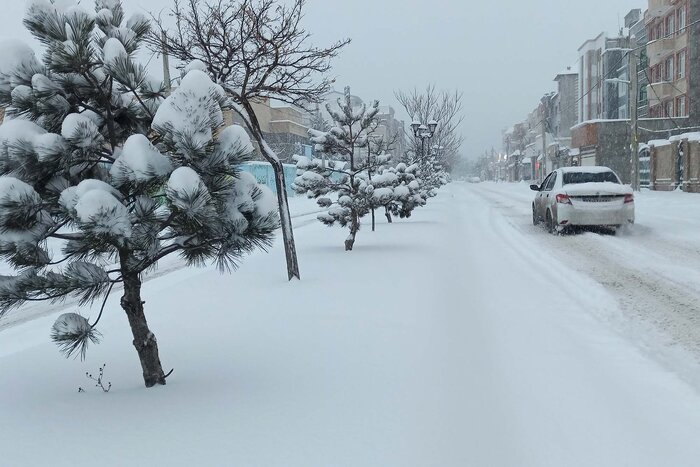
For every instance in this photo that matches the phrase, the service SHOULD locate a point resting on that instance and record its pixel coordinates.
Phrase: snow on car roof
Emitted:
(586, 169)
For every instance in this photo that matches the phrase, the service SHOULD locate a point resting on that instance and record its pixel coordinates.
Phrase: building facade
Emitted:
(673, 53)
(590, 73)
(602, 71)
(565, 106)
(392, 130)
(284, 128)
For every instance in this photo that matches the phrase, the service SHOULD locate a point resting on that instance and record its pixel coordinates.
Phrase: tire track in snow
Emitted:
(656, 288)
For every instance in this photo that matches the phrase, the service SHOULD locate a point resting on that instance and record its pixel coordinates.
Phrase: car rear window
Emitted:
(571, 178)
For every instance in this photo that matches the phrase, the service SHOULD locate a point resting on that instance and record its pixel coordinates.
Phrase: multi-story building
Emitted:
(288, 132)
(590, 73)
(565, 104)
(601, 70)
(561, 114)
(331, 98)
(527, 154)
(283, 126)
(603, 134)
(673, 52)
(392, 130)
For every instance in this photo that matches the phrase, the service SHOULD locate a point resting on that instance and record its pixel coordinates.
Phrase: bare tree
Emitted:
(442, 106)
(256, 49)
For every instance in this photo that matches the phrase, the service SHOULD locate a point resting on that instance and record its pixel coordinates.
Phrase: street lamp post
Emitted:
(424, 132)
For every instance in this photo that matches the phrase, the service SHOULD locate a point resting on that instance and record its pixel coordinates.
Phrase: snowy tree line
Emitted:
(104, 172)
(356, 175)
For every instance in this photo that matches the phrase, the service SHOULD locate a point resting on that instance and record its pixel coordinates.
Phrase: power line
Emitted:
(674, 33)
(660, 100)
(594, 87)
(615, 68)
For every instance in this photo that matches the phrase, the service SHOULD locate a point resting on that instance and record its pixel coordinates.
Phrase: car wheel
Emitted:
(535, 219)
(549, 222)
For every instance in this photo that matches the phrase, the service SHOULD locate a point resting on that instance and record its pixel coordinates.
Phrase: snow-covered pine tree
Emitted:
(383, 183)
(407, 191)
(345, 172)
(431, 175)
(101, 177)
(428, 172)
(257, 50)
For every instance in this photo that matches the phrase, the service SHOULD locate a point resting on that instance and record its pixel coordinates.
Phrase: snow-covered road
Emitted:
(555, 381)
(460, 337)
(650, 269)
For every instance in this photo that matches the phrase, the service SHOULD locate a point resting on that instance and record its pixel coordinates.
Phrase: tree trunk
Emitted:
(373, 220)
(144, 340)
(387, 213)
(290, 249)
(354, 228)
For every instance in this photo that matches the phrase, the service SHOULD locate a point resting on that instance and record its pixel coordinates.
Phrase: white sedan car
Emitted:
(582, 196)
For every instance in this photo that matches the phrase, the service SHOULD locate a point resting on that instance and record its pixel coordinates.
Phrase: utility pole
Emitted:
(634, 106)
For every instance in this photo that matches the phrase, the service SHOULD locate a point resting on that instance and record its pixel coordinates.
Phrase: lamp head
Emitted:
(415, 126)
(432, 124)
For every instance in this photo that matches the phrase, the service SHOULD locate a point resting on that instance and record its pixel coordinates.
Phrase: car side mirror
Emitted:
(535, 187)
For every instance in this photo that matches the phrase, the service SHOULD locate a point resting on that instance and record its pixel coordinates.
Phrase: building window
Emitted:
(681, 107)
(643, 59)
(668, 109)
(681, 64)
(668, 69)
(681, 19)
(671, 24)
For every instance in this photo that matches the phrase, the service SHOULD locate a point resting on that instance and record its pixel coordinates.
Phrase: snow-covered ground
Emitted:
(461, 337)
(302, 210)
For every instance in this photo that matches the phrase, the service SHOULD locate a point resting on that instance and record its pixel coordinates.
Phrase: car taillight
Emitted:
(563, 199)
(629, 199)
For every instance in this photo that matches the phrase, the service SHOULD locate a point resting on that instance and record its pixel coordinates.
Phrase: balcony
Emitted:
(658, 9)
(659, 49)
(659, 92)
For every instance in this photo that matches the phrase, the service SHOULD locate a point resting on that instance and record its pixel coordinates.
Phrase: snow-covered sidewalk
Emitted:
(425, 346)
(302, 210)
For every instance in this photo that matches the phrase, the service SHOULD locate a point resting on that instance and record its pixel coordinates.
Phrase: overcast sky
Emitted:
(502, 55)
